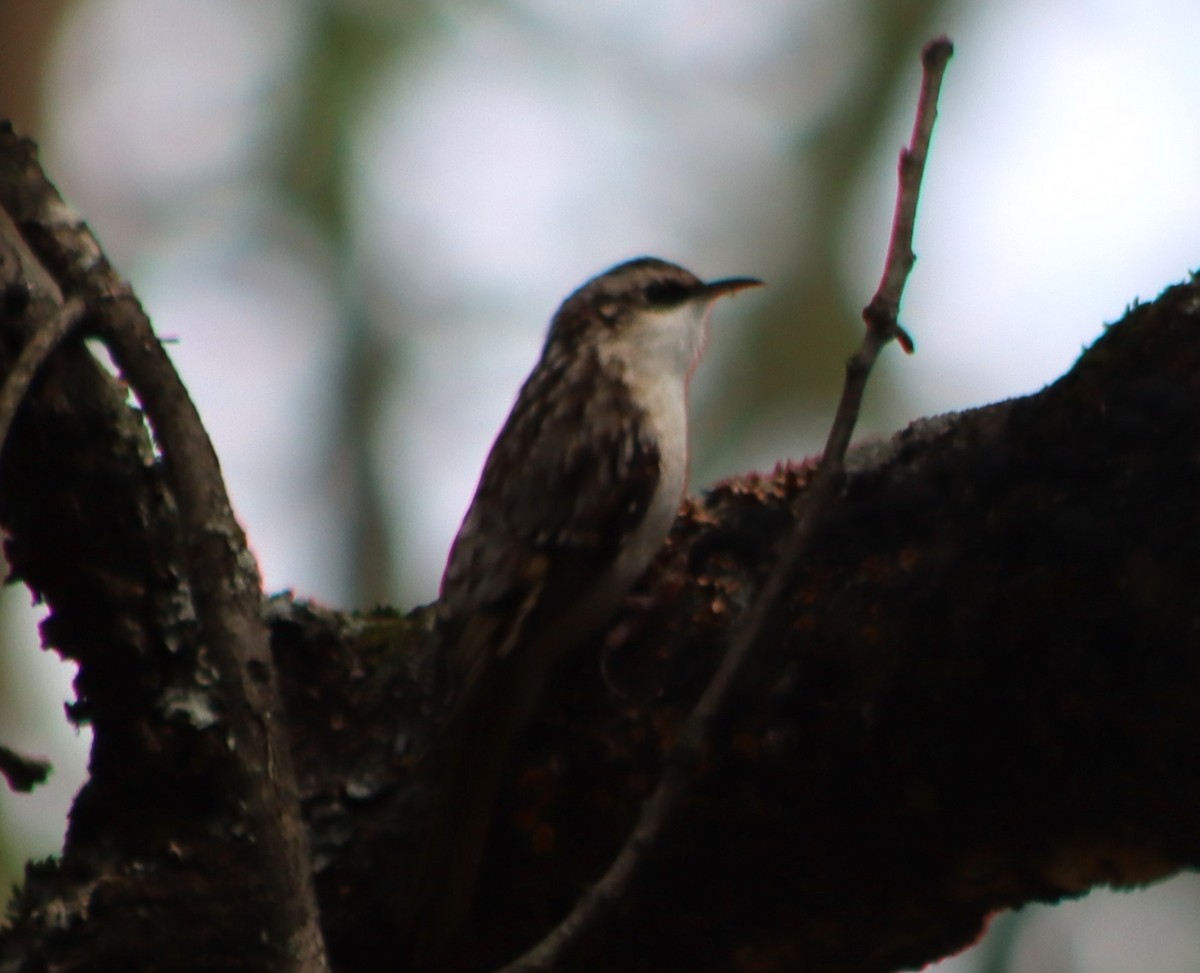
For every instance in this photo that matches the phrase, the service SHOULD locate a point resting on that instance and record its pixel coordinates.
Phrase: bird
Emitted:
(577, 495)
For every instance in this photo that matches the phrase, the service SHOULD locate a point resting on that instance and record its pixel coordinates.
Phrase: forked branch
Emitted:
(222, 574)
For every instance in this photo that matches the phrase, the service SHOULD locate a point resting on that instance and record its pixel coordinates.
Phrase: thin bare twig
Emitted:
(36, 350)
(222, 574)
(595, 905)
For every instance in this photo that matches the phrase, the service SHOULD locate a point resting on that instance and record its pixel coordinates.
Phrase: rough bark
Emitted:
(980, 693)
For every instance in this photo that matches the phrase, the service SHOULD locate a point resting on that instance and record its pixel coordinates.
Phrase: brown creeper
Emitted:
(578, 494)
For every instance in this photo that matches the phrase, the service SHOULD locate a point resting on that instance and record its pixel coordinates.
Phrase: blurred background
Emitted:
(357, 217)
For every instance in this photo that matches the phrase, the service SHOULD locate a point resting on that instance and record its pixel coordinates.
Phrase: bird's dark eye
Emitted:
(664, 293)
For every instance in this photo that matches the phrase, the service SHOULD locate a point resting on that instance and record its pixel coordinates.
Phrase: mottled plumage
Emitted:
(578, 493)
(602, 481)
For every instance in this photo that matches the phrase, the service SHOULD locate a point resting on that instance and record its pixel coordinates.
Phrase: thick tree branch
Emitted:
(222, 575)
(984, 664)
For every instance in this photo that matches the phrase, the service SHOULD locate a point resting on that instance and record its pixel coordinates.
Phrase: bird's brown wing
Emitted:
(571, 475)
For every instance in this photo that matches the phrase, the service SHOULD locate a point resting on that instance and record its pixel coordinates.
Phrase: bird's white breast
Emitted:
(657, 356)
(667, 417)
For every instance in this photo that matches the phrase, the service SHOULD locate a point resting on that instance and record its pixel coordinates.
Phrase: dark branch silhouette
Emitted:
(224, 585)
(22, 773)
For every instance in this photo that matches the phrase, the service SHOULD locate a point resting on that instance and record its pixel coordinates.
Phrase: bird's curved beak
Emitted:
(730, 285)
